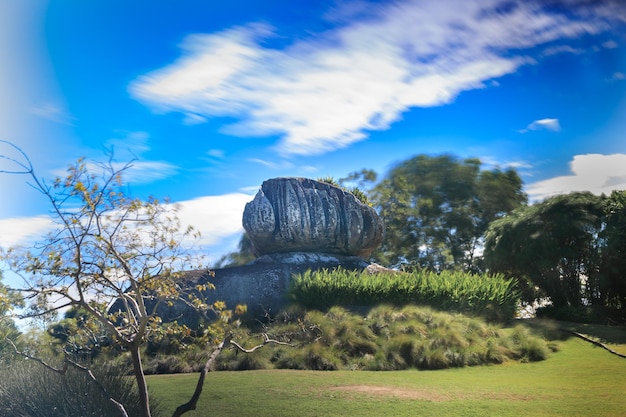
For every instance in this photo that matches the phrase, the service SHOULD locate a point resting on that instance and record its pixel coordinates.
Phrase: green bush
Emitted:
(27, 389)
(493, 297)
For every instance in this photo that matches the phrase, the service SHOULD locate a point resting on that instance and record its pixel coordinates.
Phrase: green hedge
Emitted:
(491, 296)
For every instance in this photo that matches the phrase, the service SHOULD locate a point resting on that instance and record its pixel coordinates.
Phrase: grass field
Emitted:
(579, 380)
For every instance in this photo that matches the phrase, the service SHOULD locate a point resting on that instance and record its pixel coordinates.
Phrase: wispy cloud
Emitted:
(618, 76)
(327, 92)
(492, 162)
(543, 124)
(52, 112)
(133, 172)
(216, 153)
(271, 164)
(560, 49)
(596, 173)
(145, 172)
(131, 146)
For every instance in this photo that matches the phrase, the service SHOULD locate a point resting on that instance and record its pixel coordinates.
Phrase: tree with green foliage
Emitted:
(437, 209)
(611, 282)
(551, 247)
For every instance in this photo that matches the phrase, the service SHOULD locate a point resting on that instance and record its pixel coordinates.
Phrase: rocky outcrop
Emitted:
(304, 215)
(262, 285)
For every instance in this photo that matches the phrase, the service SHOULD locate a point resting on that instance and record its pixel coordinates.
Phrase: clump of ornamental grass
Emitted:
(28, 389)
(388, 338)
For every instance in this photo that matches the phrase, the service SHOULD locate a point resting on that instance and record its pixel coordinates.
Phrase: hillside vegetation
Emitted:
(387, 338)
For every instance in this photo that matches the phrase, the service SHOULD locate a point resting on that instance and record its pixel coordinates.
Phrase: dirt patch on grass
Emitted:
(427, 395)
(403, 393)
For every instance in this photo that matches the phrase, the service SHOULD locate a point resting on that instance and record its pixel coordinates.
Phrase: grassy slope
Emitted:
(580, 380)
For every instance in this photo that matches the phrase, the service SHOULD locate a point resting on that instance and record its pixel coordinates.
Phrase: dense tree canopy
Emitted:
(437, 209)
(551, 246)
(610, 286)
(570, 248)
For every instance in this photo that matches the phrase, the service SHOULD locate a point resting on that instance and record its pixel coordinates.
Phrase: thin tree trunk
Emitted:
(192, 403)
(141, 381)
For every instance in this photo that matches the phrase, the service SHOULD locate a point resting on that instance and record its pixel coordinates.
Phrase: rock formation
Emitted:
(295, 225)
(303, 215)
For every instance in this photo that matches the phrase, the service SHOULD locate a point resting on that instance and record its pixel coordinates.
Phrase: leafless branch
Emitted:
(102, 388)
(61, 371)
(266, 341)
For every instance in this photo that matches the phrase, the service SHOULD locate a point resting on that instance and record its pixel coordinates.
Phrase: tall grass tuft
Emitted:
(491, 296)
(391, 338)
(27, 389)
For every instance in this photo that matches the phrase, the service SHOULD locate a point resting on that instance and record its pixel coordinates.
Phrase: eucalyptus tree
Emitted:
(436, 210)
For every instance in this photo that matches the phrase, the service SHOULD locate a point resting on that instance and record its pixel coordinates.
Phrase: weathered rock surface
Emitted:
(261, 285)
(304, 215)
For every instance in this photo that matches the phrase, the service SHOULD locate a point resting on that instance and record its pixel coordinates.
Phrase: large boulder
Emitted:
(304, 215)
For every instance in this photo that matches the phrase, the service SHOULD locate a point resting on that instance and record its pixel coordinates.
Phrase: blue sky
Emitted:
(213, 97)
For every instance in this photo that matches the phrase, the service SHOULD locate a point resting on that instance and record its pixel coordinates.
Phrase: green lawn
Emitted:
(579, 380)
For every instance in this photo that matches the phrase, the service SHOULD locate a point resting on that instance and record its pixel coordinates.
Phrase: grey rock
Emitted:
(262, 285)
(304, 215)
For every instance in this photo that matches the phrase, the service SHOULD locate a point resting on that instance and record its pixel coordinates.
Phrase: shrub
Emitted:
(492, 297)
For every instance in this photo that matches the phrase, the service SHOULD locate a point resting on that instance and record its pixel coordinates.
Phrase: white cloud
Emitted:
(543, 124)
(216, 217)
(23, 230)
(324, 93)
(596, 173)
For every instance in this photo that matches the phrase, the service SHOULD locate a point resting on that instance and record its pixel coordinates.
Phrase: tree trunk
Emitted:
(140, 377)
(208, 366)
